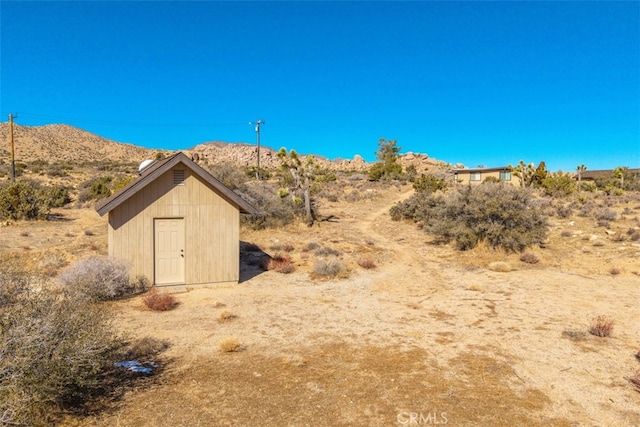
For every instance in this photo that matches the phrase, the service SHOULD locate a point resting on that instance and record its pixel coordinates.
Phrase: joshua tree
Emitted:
(580, 169)
(525, 172)
(302, 174)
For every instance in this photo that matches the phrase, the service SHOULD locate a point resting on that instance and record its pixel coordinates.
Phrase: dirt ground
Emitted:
(429, 336)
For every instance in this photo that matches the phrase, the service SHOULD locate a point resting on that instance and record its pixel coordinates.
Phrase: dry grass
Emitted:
(500, 266)
(159, 301)
(227, 316)
(601, 326)
(574, 335)
(328, 268)
(230, 345)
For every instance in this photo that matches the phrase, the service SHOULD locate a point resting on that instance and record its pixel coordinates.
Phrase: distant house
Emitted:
(176, 224)
(478, 175)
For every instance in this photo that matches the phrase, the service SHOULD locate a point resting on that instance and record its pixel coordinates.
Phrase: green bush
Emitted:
(428, 183)
(501, 215)
(24, 199)
(559, 184)
(387, 167)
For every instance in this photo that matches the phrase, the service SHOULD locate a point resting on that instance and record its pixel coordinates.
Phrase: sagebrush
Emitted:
(502, 215)
(98, 279)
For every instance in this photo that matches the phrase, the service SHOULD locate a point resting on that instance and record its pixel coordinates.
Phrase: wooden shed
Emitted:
(176, 224)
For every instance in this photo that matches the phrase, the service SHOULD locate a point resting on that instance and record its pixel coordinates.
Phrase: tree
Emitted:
(302, 173)
(539, 175)
(618, 173)
(524, 172)
(580, 169)
(387, 166)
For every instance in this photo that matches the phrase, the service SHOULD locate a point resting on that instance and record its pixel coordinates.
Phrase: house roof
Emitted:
(501, 168)
(156, 169)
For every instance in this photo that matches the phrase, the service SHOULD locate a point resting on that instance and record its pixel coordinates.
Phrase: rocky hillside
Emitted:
(64, 142)
(68, 143)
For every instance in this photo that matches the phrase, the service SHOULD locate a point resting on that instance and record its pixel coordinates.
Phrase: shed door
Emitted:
(169, 251)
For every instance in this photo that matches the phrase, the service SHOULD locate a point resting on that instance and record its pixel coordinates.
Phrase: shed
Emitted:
(176, 224)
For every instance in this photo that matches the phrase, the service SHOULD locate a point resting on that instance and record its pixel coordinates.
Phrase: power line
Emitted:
(134, 124)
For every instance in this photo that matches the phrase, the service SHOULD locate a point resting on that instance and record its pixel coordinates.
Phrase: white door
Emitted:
(169, 251)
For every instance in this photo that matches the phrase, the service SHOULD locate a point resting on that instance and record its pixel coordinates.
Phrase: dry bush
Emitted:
(88, 232)
(367, 263)
(603, 223)
(635, 236)
(159, 301)
(598, 243)
(145, 348)
(326, 251)
(614, 271)
(227, 316)
(529, 258)
(282, 247)
(280, 263)
(97, 279)
(500, 266)
(566, 233)
(606, 214)
(54, 353)
(331, 267)
(601, 326)
(230, 345)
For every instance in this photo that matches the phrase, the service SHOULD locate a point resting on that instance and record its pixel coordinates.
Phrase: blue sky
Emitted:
(465, 82)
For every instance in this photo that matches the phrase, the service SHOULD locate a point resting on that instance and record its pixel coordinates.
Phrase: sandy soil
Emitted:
(430, 336)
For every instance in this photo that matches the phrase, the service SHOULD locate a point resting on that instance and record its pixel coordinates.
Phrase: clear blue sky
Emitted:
(471, 82)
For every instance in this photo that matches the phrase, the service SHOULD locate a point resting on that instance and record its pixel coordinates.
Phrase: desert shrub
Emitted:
(603, 223)
(58, 196)
(327, 251)
(53, 354)
(159, 301)
(95, 189)
(144, 348)
(24, 200)
(529, 258)
(97, 279)
(230, 345)
(121, 182)
(428, 183)
(558, 184)
(606, 214)
(230, 175)
(279, 263)
(564, 211)
(601, 326)
(14, 281)
(614, 271)
(331, 267)
(227, 316)
(502, 215)
(500, 266)
(274, 211)
(586, 209)
(566, 233)
(367, 263)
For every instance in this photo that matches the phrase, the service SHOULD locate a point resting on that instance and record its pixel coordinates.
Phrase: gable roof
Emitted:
(153, 171)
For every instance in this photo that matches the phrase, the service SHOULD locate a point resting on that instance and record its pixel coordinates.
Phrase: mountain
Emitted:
(60, 142)
(64, 142)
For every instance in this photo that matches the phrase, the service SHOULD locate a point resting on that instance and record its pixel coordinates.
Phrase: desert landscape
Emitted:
(412, 331)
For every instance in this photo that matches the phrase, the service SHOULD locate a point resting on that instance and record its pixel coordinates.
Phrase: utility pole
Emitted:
(13, 154)
(258, 123)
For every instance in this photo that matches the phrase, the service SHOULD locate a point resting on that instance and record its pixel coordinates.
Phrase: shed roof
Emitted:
(156, 169)
(501, 168)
